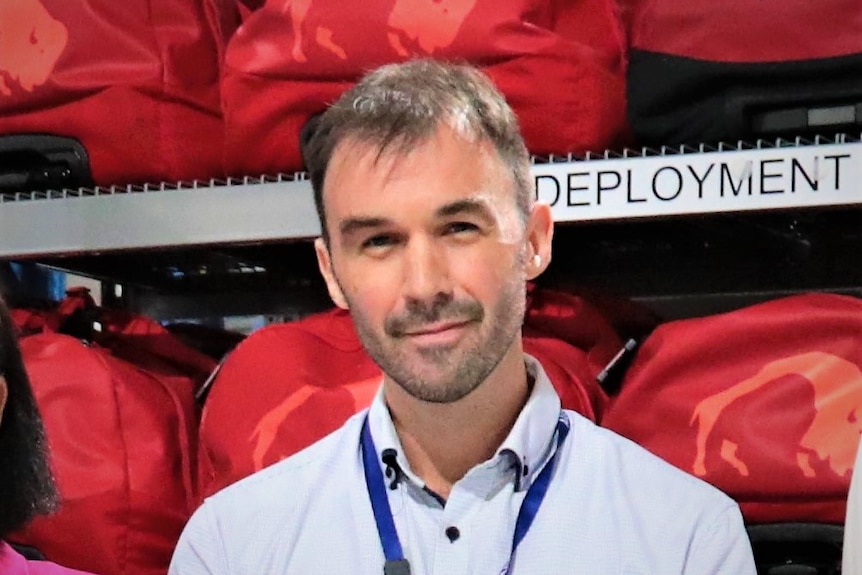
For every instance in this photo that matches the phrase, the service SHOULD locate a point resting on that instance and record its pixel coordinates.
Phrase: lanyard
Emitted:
(396, 564)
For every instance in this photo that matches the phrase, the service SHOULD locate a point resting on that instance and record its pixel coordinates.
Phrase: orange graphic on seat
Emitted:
(322, 36)
(432, 24)
(298, 12)
(31, 42)
(425, 25)
(833, 434)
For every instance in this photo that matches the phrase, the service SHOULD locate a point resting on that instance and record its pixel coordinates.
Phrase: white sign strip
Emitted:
(700, 183)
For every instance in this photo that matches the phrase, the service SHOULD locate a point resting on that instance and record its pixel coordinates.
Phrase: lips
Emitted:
(437, 334)
(419, 319)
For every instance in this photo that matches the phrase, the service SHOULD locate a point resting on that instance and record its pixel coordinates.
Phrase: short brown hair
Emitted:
(400, 105)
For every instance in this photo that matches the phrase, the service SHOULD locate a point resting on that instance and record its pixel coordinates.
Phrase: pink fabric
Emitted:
(13, 563)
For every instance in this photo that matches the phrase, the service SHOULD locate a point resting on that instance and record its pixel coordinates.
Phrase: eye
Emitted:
(378, 241)
(461, 228)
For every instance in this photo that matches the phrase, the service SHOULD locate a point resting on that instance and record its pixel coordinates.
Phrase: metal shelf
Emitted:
(646, 183)
(680, 229)
(95, 221)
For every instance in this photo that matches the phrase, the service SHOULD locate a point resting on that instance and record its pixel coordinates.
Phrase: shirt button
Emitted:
(453, 534)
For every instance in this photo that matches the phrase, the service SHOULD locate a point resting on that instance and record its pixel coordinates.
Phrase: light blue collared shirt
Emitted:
(611, 508)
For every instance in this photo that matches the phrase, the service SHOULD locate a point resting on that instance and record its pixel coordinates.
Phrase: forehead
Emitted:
(362, 181)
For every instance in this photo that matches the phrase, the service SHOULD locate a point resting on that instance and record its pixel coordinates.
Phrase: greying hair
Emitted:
(398, 106)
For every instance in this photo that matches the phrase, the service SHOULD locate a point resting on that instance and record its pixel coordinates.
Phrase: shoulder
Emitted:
(263, 518)
(12, 563)
(48, 568)
(629, 468)
(662, 516)
(286, 487)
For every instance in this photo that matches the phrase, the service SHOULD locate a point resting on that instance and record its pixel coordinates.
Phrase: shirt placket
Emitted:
(471, 534)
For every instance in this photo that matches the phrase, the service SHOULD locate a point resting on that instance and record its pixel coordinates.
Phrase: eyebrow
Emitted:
(352, 226)
(471, 206)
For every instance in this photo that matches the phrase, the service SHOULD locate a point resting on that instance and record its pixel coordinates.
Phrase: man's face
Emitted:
(428, 251)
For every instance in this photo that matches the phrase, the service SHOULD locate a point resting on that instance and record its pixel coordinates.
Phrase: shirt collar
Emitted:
(530, 441)
(385, 437)
(528, 445)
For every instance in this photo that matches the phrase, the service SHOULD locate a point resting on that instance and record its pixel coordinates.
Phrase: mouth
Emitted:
(437, 334)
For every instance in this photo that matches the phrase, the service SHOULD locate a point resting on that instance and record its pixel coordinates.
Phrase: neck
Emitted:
(443, 442)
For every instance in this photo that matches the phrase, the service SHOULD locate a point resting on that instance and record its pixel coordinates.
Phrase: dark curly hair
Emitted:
(26, 485)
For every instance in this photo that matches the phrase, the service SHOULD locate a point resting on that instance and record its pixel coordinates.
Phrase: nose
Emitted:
(426, 271)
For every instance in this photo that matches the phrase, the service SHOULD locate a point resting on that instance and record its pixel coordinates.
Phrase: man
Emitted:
(852, 555)
(465, 462)
(26, 485)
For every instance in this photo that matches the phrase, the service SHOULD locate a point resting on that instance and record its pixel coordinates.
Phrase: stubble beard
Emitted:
(445, 374)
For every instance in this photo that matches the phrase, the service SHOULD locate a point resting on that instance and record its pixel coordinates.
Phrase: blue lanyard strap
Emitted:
(380, 500)
(536, 492)
(396, 564)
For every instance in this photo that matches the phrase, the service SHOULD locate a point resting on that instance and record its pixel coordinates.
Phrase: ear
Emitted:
(324, 262)
(540, 233)
(4, 393)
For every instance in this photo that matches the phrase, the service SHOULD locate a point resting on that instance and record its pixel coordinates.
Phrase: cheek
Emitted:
(372, 298)
(486, 272)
